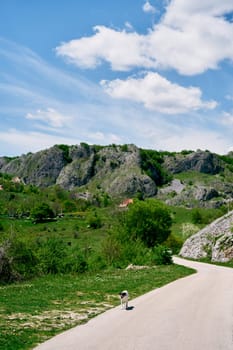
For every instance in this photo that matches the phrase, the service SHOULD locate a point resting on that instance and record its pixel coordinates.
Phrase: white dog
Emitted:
(124, 296)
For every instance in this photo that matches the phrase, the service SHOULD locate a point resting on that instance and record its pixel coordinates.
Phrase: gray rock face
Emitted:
(205, 194)
(122, 170)
(132, 184)
(177, 193)
(114, 169)
(223, 249)
(175, 186)
(76, 174)
(214, 241)
(201, 161)
(41, 168)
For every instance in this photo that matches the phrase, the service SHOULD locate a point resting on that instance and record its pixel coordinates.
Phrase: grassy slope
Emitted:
(33, 311)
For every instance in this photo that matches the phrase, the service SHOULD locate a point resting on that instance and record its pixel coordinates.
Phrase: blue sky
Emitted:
(155, 73)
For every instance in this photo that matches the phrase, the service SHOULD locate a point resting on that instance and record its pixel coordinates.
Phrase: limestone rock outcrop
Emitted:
(214, 241)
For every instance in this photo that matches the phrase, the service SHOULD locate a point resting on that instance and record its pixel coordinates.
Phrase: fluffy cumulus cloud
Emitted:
(191, 37)
(123, 50)
(158, 94)
(49, 116)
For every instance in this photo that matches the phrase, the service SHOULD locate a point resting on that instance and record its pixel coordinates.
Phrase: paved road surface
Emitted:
(193, 313)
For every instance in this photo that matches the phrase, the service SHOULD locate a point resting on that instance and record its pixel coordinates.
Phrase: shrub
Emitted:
(52, 255)
(173, 243)
(96, 262)
(149, 220)
(111, 250)
(135, 253)
(43, 212)
(151, 163)
(75, 263)
(124, 148)
(197, 217)
(94, 221)
(17, 261)
(81, 264)
(66, 152)
(162, 255)
(23, 258)
(7, 274)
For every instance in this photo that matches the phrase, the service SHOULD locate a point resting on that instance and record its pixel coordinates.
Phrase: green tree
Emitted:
(41, 213)
(149, 220)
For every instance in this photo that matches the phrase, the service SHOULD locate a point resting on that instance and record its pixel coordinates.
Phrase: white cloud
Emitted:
(29, 141)
(194, 139)
(49, 116)
(191, 37)
(148, 8)
(121, 49)
(158, 94)
(128, 25)
(97, 118)
(104, 138)
(227, 119)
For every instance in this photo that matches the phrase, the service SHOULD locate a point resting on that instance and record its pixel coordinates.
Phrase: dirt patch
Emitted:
(55, 318)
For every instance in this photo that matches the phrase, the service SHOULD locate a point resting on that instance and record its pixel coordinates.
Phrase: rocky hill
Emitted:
(114, 169)
(188, 179)
(215, 241)
(128, 171)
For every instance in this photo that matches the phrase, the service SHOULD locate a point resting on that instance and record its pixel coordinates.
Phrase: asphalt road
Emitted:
(193, 313)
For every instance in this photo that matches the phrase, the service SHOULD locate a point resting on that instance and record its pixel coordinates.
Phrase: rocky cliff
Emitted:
(200, 161)
(126, 171)
(114, 169)
(215, 241)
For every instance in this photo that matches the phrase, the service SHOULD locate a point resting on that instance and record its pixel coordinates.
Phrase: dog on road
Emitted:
(124, 296)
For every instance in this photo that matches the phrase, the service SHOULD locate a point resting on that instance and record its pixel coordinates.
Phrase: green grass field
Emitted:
(36, 310)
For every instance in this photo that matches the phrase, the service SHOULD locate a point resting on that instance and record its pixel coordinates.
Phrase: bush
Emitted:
(151, 163)
(75, 263)
(94, 221)
(17, 261)
(42, 213)
(7, 274)
(24, 260)
(52, 255)
(111, 250)
(162, 255)
(197, 217)
(149, 220)
(173, 243)
(96, 262)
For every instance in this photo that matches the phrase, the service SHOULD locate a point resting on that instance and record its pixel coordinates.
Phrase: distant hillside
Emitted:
(187, 178)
